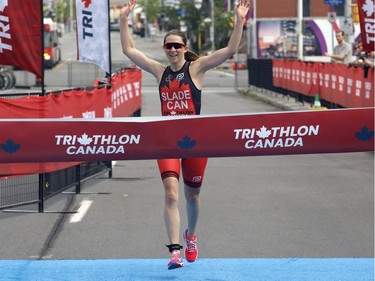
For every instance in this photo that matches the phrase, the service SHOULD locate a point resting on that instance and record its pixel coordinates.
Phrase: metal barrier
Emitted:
(17, 191)
(260, 75)
(35, 189)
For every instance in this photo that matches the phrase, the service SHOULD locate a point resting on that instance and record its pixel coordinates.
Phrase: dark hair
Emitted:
(189, 55)
(340, 31)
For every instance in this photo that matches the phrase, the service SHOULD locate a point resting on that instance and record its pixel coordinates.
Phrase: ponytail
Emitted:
(191, 56)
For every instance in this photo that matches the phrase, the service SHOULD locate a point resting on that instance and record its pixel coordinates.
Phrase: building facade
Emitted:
(288, 8)
(275, 32)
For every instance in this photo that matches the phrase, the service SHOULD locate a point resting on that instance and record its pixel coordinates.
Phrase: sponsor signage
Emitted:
(21, 34)
(305, 132)
(334, 2)
(93, 32)
(366, 11)
(334, 82)
(121, 100)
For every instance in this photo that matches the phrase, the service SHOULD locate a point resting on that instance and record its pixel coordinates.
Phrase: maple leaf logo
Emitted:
(263, 133)
(174, 86)
(3, 4)
(10, 146)
(186, 143)
(368, 8)
(365, 134)
(84, 139)
(87, 3)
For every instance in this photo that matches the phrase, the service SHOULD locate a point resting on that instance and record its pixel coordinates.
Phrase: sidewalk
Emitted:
(274, 99)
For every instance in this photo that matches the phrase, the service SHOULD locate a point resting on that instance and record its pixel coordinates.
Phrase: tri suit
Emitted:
(179, 96)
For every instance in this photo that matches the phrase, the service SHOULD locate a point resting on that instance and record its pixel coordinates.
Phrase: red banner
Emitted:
(306, 132)
(367, 22)
(121, 100)
(126, 90)
(21, 34)
(333, 82)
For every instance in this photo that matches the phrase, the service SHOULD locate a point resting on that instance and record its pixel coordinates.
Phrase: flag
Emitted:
(332, 18)
(93, 32)
(21, 34)
(367, 22)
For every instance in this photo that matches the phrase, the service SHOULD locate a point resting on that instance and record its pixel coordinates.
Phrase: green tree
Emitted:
(172, 20)
(152, 9)
(60, 11)
(194, 20)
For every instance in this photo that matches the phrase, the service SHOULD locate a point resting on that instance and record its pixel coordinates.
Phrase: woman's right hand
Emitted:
(128, 8)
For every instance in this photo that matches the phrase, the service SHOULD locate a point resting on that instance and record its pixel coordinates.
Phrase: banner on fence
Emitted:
(305, 132)
(349, 87)
(126, 95)
(93, 32)
(121, 100)
(21, 35)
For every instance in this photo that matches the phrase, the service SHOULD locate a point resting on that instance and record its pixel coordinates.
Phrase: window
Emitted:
(340, 10)
(306, 8)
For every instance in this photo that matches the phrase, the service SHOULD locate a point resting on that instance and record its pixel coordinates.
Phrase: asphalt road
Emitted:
(255, 207)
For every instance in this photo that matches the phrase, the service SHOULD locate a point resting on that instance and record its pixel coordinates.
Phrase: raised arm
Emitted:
(218, 57)
(128, 46)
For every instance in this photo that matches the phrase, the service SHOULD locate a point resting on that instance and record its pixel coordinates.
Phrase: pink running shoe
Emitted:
(176, 260)
(191, 249)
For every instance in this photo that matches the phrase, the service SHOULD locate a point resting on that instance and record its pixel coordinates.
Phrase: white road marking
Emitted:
(82, 210)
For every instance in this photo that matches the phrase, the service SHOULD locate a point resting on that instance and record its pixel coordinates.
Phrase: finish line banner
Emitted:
(285, 133)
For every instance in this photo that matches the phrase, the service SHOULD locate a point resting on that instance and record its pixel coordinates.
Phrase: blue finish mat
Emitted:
(267, 269)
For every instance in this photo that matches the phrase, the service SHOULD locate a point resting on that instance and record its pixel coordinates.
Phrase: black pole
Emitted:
(78, 179)
(42, 180)
(42, 176)
(109, 75)
(42, 45)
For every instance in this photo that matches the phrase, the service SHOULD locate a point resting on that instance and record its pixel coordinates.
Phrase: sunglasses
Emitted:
(173, 45)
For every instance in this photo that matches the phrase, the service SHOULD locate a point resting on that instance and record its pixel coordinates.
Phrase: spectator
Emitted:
(369, 59)
(358, 48)
(342, 52)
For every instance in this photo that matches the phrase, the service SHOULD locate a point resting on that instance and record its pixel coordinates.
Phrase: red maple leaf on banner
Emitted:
(87, 3)
(368, 8)
(3, 4)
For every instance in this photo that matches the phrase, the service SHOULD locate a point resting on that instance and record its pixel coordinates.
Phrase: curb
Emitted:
(274, 99)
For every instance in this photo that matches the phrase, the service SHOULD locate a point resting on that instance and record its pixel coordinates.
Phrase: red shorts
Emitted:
(192, 170)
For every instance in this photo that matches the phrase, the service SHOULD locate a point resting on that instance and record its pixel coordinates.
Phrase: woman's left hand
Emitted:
(242, 8)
